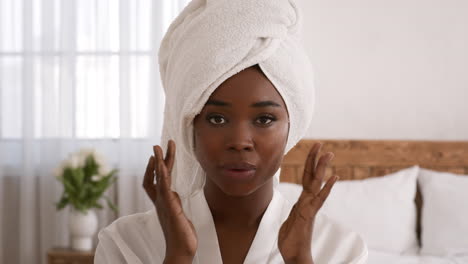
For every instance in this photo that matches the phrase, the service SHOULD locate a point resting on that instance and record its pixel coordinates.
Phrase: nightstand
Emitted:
(69, 256)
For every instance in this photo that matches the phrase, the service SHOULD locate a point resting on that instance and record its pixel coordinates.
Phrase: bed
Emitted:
(408, 199)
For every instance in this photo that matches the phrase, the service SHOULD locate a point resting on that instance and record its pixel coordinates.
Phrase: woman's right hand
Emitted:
(179, 233)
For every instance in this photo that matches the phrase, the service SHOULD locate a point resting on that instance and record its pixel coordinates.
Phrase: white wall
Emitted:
(395, 69)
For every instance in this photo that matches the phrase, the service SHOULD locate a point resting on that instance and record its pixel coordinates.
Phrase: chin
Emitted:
(239, 186)
(242, 189)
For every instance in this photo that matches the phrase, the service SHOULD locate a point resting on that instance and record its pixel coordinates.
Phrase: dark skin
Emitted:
(244, 120)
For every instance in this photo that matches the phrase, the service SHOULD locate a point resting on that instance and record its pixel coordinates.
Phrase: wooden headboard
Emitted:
(360, 159)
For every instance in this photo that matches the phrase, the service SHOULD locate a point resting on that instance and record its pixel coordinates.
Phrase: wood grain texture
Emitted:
(361, 159)
(69, 256)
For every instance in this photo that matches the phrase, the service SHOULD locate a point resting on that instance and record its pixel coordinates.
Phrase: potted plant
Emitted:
(85, 178)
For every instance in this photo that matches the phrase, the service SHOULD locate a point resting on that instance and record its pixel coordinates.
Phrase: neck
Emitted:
(238, 210)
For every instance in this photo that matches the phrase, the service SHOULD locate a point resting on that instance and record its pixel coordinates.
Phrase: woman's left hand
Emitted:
(295, 235)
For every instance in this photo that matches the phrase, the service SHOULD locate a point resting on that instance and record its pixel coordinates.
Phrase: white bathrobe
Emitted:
(139, 238)
(208, 42)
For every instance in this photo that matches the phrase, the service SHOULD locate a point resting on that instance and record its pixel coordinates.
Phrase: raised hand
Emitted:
(295, 235)
(179, 233)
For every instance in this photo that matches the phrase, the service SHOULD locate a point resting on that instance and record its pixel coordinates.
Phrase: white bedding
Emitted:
(444, 224)
(379, 257)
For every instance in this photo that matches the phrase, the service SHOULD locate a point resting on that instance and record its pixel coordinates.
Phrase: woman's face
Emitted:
(241, 133)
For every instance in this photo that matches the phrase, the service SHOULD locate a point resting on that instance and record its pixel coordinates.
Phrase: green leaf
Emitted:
(68, 186)
(83, 192)
(68, 174)
(80, 191)
(90, 168)
(62, 203)
(97, 205)
(101, 184)
(111, 205)
(78, 174)
(113, 172)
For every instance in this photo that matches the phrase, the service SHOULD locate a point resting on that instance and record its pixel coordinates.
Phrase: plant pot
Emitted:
(82, 226)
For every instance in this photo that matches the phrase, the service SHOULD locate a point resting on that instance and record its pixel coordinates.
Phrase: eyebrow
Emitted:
(257, 104)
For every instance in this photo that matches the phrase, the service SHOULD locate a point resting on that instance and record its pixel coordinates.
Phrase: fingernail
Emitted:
(331, 156)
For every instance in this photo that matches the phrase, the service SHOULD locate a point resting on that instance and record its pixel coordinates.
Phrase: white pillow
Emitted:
(380, 209)
(444, 225)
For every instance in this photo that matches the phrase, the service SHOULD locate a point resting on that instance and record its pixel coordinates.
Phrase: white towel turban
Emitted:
(210, 41)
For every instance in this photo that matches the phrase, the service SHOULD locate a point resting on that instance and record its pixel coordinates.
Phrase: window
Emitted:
(82, 68)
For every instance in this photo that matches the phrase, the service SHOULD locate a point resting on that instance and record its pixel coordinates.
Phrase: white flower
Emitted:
(96, 177)
(83, 154)
(75, 161)
(100, 161)
(78, 160)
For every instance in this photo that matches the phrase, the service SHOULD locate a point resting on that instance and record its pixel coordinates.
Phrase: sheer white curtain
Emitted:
(73, 74)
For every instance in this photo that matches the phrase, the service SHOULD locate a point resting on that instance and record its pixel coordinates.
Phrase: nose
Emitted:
(240, 138)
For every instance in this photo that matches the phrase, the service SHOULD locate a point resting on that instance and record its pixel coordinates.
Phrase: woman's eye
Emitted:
(216, 120)
(265, 120)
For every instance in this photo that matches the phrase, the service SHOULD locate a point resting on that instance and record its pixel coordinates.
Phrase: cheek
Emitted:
(271, 146)
(205, 146)
(275, 137)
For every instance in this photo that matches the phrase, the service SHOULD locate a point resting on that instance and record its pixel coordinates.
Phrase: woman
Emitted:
(236, 102)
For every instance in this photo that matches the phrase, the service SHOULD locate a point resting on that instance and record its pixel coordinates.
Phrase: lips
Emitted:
(239, 170)
(239, 166)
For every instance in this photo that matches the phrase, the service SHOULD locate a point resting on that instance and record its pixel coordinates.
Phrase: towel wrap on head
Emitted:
(212, 40)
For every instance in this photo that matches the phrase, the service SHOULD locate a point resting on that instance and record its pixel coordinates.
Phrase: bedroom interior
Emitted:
(360, 160)
(391, 91)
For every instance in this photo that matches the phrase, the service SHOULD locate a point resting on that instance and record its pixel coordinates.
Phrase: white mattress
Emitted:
(379, 257)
